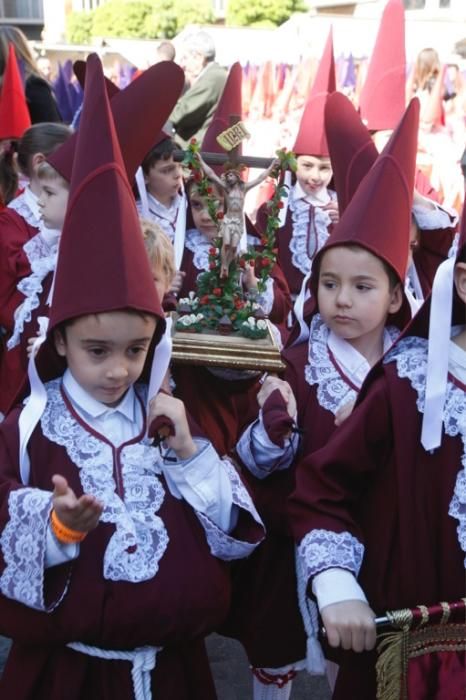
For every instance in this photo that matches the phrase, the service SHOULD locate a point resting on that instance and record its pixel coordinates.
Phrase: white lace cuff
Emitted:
(260, 455)
(266, 298)
(23, 543)
(322, 549)
(221, 543)
(335, 586)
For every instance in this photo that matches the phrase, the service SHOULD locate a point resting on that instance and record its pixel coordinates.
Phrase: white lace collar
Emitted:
(199, 245)
(335, 366)
(410, 355)
(43, 259)
(310, 229)
(26, 205)
(130, 501)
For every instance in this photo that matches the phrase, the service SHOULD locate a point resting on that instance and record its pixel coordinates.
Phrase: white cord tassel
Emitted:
(142, 658)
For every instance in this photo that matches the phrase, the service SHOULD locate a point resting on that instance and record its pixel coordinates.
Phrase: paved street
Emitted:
(231, 673)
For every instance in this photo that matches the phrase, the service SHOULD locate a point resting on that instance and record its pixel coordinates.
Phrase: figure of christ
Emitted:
(232, 224)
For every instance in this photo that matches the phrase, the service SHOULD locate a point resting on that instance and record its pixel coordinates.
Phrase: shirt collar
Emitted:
(158, 206)
(86, 404)
(350, 360)
(457, 356)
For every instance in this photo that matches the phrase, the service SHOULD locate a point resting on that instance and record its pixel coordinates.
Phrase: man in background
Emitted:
(206, 79)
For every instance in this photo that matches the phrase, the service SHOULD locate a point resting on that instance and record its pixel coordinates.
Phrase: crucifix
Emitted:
(233, 188)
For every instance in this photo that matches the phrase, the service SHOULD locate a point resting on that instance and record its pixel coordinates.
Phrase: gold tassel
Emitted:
(391, 666)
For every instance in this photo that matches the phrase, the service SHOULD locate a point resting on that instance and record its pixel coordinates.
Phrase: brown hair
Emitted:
(13, 35)
(159, 248)
(426, 69)
(41, 138)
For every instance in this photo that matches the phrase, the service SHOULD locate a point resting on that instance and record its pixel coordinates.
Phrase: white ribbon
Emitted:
(315, 661)
(415, 282)
(438, 352)
(35, 405)
(303, 296)
(180, 230)
(283, 212)
(160, 362)
(142, 658)
(141, 185)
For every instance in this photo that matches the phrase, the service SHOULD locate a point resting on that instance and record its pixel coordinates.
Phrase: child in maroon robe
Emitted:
(29, 298)
(358, 311)
(311, 208)
(384, 501)
(110, 581)
(19, 223)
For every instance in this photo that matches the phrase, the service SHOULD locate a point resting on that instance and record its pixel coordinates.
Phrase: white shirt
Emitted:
(165, 217)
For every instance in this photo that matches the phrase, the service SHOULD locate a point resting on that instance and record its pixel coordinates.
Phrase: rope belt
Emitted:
(142, 658)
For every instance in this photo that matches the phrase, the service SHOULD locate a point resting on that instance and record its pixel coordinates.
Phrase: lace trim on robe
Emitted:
(310, 232)
(410, 356)
(221, 544)
(199, 246)
(23, 544)
(20, 206)
(322, 549)
(140, 538)
(334, 390)
(43, 259)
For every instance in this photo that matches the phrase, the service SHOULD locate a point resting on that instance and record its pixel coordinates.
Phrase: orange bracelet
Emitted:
(64, 534)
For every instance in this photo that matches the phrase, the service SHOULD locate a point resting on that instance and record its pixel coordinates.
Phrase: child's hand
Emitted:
(177, 282)
(181, 442)
(344, 412)
(332, 210)
(250, 280)
(81, 513)
(272, 383)
(350, 624)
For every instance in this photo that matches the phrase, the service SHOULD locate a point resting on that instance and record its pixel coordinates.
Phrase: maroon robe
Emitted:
(183, 598)
(14, 266)
(375, 482)
(265, 613)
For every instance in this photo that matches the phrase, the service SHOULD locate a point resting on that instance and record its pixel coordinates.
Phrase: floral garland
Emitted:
(221, 303)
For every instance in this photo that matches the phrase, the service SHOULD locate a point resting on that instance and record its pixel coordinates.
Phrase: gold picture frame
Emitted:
(212, 349)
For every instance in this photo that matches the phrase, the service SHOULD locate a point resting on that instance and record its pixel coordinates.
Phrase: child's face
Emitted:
(354, 295)
(201, 217)
(161, 281)
(52, 201)
(313, 173)
(164, 180)
(106, 352)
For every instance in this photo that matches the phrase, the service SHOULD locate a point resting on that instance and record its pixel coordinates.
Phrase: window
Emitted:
(21, 9)
(414, 4)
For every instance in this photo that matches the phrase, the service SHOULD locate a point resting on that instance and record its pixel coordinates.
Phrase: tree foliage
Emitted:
(79, 27)
(142, 19)
(262, 13)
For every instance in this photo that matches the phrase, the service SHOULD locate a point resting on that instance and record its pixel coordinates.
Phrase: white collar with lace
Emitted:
(199, 246)
(310, 229)
(410, 355)
(336, 366)
(140, 538)
(26, 205)
(42, 252)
